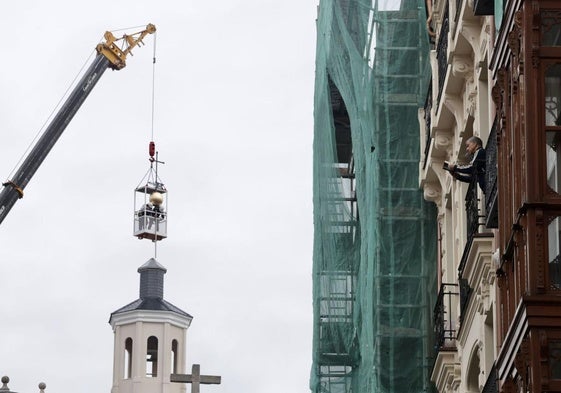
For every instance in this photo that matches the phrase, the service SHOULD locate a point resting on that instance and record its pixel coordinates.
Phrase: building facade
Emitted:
(496, 74)
(374, 278)
(474, 275)
(459, 106)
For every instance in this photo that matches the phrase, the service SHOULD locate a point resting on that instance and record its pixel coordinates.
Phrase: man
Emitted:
(465, 173)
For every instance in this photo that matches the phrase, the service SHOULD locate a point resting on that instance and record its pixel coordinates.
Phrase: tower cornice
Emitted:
(148, 316)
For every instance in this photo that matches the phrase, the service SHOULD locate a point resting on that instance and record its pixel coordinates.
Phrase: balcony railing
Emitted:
(458, 9)
(444, 324)
(428, 108)
(491, 384)
(472, 208)
(472, 220)
(465, 294)
(441, 52)
(491, 197)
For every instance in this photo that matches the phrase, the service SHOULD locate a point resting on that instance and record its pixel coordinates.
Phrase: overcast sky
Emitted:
(233, 123)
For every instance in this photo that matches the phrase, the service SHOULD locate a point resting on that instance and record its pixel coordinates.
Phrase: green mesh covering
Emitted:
(375, 237)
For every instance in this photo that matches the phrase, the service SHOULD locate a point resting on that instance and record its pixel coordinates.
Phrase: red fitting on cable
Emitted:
(152, 149)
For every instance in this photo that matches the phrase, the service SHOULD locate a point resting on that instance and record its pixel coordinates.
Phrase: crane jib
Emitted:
(13, 189)
(109, 55)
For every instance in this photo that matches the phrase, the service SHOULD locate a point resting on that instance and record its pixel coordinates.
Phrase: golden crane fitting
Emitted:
(116, 55)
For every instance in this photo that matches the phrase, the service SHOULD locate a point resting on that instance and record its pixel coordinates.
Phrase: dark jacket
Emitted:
(476, 168)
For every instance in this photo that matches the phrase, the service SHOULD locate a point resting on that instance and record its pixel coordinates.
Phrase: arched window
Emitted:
(174, 356)
(152, 357)
(128, 358)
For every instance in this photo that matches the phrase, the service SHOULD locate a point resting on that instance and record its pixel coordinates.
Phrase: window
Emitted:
(555, 358)
(552, 106)
(551, 27)
(174, 356)
(128, 358)
(554, 249)
(152, 357)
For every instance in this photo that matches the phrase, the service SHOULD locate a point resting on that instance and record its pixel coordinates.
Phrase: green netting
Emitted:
(375, 236)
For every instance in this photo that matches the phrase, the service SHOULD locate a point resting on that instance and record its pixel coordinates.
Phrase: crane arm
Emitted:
(109, 56)
(117, 55)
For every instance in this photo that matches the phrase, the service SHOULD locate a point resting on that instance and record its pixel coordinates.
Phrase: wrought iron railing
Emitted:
(428, 108)
(472, 207)
(491, 384)
(458, 9)
(465, 294)
(441, 52)
(472, 220)
(491, 197)
(444, 324)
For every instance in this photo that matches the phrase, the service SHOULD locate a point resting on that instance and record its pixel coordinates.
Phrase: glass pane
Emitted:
(555, 359)
(552, 95)
(553, 156)
(553, 236)
(551, 28)
(499, 12)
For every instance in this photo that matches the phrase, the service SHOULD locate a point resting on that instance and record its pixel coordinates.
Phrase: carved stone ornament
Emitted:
(496, 93)
(432, 192)
(456, 107)
(443, 142)
(462, 66)
(518, 19)
(514, 42)
(501, 78)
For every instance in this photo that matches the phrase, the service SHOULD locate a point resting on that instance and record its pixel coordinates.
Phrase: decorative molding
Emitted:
(535, 34)
(471, 32)
(432, 192)
(148, 316)
(455, 105)
(497, 95)
(443, 141)
(539, 251)
(544, 360)
(462, 66)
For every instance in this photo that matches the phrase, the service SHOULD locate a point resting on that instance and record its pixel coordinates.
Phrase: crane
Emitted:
(109, 55)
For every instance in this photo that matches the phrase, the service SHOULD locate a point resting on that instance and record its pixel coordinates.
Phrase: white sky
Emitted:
(234, 88)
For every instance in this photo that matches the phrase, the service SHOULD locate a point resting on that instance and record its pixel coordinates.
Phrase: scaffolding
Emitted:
(374, 235)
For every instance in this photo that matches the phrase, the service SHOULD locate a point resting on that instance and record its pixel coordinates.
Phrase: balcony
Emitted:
(428, 108)
(491, 384)
(442, 52)
(472, 220)
(491, 198)
(483, 7)
(444, 323)
(458, 9)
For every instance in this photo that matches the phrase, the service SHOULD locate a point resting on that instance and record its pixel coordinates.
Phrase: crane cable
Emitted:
(153, 85)
(152, 145)
(51, 115)
(65, 95)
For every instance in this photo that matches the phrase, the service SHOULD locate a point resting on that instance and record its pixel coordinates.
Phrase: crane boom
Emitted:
(109, 55)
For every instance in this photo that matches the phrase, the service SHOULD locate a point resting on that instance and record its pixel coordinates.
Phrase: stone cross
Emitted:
(195, 378)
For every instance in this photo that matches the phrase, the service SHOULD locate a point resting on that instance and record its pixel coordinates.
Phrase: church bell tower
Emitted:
(150, 336)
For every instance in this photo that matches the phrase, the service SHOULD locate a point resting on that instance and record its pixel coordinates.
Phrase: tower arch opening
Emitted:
(128, 359)
(152, 357)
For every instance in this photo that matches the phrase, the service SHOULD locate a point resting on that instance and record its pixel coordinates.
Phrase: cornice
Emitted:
(446, 370)
(150, 316)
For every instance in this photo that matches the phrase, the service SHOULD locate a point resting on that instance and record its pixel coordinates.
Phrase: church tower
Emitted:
(150, 336)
